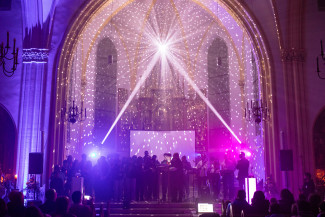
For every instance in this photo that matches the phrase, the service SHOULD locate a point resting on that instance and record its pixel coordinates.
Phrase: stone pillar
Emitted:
(296, 135)
(31, 119)
(31, 103)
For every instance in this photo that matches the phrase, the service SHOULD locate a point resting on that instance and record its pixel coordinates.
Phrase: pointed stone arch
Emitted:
(8, 141)
(242, 17)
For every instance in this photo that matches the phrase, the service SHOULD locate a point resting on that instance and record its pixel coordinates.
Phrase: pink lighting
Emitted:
(150, 50)
(250, 188)
(247, 153)
(160, 142)
(183, 72)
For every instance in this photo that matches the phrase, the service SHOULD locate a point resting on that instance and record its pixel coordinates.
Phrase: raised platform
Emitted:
(138, 209)
(146, 209)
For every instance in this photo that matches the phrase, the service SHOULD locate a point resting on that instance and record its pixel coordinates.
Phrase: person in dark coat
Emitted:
(214, 177)
(240, 204)
(186, 170)
(242, 167)
(315, 200)
(155, 177)
(227, 173)
(176, 178)
(308, 186)
(16, 205)
(286, 201)
(165, 164)
(139, 188)
(48, 207)
(33, 211)
(260, 206)
(77, 208)
(57, 181)
(61, 208)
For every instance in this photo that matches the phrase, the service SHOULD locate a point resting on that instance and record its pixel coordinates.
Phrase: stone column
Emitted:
(293, 57)
(31, 114)
(34, 94)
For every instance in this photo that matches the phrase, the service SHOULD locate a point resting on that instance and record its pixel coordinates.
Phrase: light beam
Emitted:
(199, 92)
(134, 92)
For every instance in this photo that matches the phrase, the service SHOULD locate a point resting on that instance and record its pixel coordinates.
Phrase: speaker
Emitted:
(35, 165)
(286, 160)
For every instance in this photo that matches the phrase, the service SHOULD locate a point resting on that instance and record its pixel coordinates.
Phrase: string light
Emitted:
(134, 54)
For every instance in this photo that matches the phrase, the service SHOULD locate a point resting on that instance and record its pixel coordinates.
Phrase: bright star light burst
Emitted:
(177, 41)
(167, 56)
(163, 48)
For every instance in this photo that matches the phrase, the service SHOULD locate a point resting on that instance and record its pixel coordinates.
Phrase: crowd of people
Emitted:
(62, 206)
(146, 179)
(52, 207)
(138, 178)
(311, 206)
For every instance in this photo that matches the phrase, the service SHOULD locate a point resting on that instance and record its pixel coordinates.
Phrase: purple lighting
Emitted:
(93, 154)
(159, 57)
(247, 153)
(160, 142)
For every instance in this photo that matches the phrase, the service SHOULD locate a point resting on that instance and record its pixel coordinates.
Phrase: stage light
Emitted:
(248, 154)
(93, 155)
(250, 188)
(162, 48)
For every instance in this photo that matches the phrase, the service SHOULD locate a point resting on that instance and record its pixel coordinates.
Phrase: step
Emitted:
(149, 205)
(150, 211)
(151, 215)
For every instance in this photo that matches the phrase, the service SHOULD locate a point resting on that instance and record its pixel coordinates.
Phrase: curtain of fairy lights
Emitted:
(196, 26)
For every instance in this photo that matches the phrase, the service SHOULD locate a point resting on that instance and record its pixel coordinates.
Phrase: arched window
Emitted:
(105, 91)
(218, 92)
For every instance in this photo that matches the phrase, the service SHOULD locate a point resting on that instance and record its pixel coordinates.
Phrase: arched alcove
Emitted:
(132, 54)
(8, 138)
(105, 91)
(219, 92)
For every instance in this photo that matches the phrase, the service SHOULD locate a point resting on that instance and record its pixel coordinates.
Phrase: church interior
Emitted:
(134, 101)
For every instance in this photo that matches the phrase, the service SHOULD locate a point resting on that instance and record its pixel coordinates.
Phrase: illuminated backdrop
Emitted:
(160, 142)
(190, 28)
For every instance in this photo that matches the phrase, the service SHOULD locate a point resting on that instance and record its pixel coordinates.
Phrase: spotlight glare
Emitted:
(182, 71)
(133, 93)
(93, 155)
(247, 153)
(162, 49)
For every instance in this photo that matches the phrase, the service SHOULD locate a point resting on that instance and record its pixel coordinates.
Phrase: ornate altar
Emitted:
(163, 108)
